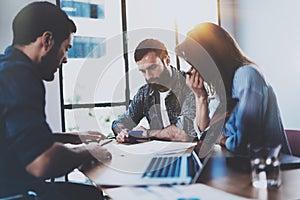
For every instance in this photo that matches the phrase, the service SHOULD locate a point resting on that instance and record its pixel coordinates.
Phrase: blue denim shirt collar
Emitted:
(12, 52)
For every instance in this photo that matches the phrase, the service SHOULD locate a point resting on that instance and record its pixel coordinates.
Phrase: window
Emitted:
(83, 8)
(167, 21)
(95, 88)
(87, 47)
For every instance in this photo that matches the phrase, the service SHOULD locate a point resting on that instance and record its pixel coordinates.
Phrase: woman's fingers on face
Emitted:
(195, 80)
(197, 77)
(193, 76)
(189, 81)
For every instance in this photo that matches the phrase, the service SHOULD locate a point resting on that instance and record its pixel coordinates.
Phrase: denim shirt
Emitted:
(24, 132)
(256, 118)
(180, 104)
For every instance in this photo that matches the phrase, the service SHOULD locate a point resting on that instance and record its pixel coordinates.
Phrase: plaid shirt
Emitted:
(180, 104)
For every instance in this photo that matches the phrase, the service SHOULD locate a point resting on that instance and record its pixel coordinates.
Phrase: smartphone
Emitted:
(135, 135)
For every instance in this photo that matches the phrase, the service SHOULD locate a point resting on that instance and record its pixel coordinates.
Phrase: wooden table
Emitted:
(222, 171)
(232, 174)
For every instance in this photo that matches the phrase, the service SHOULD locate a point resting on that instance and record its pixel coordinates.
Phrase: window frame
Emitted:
(125, 103)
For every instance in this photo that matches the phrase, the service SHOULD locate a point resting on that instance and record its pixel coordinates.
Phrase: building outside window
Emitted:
(83, 8)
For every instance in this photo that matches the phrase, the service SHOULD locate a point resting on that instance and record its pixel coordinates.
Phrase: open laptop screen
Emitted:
(173, 169)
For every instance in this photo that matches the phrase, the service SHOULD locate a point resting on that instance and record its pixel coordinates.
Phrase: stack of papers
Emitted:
(156, 147)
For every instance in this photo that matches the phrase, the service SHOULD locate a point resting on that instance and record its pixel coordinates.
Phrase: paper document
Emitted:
(195, 192)
(156, 147)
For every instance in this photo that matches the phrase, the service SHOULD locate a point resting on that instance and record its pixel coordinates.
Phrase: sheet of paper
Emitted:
(156, 147)
(180, 192)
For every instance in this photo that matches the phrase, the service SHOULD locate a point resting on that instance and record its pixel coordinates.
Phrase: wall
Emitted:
(8, 10)
(269, 33)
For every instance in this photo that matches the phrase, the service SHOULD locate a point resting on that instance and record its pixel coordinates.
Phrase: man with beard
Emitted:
(29, 152)
(165, 100)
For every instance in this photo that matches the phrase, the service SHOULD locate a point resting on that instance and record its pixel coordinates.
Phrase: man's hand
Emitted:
(122, 136)
(91, 136)
(100, 153)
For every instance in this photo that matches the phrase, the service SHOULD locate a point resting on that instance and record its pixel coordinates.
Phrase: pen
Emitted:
(104, 142)
(188, 73)
(100, 141)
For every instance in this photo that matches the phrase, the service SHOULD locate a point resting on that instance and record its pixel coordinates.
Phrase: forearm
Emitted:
(78, 137)
(125, 122)
(171, 132)
(118, 128)
(67, 138)
(132, 116)
(202, 117)
(58, 161)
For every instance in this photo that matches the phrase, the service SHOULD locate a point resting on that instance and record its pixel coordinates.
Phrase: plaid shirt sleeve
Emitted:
(135, 111)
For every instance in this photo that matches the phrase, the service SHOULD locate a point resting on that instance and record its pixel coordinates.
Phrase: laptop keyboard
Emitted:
(171, 166)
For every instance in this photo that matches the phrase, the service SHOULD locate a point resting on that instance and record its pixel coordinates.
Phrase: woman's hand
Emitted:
(196, 83)
(222, 141)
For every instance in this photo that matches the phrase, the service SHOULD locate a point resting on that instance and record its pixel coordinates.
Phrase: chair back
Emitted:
(293, 137)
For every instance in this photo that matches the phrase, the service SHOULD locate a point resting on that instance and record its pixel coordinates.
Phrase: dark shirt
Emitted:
(24, 132)
(180, 105)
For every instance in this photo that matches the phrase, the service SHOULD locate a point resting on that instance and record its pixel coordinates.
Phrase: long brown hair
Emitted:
(221, 47)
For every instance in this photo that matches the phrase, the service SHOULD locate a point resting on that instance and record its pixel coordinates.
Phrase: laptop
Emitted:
(172, 169)
(185, 168)
(139, 169)
(144, 169)
(289, 162)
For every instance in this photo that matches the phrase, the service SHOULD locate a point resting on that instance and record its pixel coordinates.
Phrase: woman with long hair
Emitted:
(217, 59)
